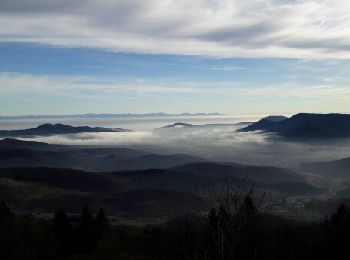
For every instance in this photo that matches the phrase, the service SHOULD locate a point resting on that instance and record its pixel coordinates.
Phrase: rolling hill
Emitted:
(336, 168)
(144, 193)
(46, 189)
(41, 177)
(16, 153)
(255, 173)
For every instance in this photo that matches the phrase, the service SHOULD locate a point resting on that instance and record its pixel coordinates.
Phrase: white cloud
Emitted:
(12, 83)
(16, 83)
(230, 28)
(292, 91)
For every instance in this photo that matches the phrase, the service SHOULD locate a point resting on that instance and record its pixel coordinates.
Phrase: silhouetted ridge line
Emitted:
(57, 129)
(305, 126)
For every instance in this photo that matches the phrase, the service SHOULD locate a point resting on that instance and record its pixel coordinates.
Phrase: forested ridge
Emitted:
(226, 232)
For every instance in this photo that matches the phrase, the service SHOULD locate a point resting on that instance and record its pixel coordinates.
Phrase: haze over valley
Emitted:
(177, 157)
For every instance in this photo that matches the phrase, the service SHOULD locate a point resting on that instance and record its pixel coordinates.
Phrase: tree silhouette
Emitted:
(340, 215)
(86, 235)
(248, 208)
(5, 211)
(62, 230)
(7, 232)
(102, 224)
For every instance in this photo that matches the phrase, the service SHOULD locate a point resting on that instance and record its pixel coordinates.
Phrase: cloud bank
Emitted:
(221, 28)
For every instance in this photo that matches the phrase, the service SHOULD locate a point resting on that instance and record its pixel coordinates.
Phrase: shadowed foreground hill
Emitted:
(46, 189)
(254, 173)
(305, 126)
(65, 179)
(144, 193)
(262, 177)
(41, 177)
(16, 153)
(337, 168)
(198, 176)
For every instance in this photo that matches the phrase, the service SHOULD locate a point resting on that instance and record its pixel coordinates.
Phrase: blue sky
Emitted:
(223, 56)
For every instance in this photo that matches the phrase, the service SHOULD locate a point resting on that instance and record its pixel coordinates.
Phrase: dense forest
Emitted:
(226, 232)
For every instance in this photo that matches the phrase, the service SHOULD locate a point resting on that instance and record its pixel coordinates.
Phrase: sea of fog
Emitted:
(213, 138)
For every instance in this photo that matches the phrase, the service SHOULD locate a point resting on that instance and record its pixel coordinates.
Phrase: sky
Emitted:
(134, 56)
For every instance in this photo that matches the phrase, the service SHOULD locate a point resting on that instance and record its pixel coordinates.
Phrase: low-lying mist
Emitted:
(215, 142)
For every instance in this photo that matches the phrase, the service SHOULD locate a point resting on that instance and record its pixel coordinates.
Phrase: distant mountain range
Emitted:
(304, 126)
(56, 129)
(91, 115)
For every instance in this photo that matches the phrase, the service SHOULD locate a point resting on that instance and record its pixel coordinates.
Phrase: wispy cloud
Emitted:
(12, 83)
(225, 28)
(16, 83)
(294, 91)
(228, 68)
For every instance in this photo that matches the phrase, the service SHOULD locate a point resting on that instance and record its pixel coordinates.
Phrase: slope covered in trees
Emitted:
(225, 232)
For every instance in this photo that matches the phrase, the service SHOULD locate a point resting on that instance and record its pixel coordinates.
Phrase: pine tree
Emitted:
(102, 224)
(7, 232)
(340, 215)
(62, 230)
(5, 211)
(248, 208)
(86, 234)
(61, 225)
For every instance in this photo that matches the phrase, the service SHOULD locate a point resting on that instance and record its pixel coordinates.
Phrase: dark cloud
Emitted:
(43, 6)
(243, 34)
(340, 44)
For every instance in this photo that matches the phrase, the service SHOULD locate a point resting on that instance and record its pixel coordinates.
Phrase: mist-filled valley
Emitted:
(200, 187)
(213, 138)
(171, 163)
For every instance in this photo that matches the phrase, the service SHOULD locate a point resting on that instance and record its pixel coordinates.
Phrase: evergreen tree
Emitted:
(5, 212)
(248, 208)
(7, 233)
(61, 225)
(86, 234)
(248, 223)
(102, 224)
(340, 215)
(62, 230)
